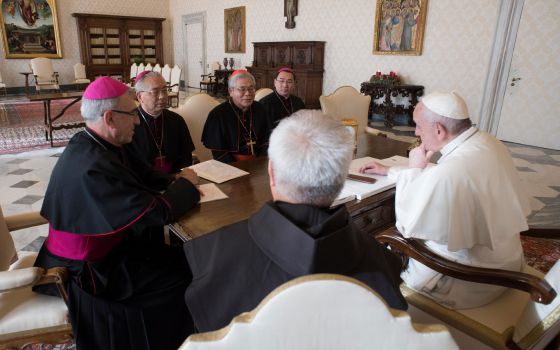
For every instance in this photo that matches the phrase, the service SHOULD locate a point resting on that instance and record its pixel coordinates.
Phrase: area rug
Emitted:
(22, 125)
(540, 253)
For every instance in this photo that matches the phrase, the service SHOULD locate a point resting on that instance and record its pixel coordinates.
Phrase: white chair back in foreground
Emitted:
(323, 312)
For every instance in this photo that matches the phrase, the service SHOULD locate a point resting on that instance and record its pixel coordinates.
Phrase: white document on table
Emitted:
(360, 190)
(211, 192)
(216, 171)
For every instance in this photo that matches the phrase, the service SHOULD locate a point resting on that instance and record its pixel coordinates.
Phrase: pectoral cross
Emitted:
(250, 144)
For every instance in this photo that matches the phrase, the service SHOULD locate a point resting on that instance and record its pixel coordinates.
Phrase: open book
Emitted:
(216, 171)
(360, 190)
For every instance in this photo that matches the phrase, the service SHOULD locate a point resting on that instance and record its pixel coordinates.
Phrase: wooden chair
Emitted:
(195, 111)
(157, 68)
(260, 93)
(149, 67)
(166, 73)
(346, 102)
(27, 317)
(526, 316)
(208, 82)
(3, 85)
(173, 95)
(133, 72)
(323, 311)
(45, 76)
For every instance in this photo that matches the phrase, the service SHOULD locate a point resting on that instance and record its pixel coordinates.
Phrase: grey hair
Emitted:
(310, 155)
(139, 85)
(453, 126)
(233, 81)
(92, 110)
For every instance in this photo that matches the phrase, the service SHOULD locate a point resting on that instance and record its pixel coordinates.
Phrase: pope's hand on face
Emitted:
(419, 157)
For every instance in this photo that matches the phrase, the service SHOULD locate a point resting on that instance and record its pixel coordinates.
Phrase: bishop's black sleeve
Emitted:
(179, 198)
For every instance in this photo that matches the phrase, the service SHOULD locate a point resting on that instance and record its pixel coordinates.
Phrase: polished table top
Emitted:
(55, 96)
(248, 193)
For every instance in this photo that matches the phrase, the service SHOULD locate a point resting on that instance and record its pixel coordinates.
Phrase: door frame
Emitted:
(505, 36)
(193, 18)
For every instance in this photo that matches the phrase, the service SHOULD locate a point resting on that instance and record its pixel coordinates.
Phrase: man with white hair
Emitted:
(237, 129)
(124, 292)
(162, 139)
(296, 234)
(469, 207)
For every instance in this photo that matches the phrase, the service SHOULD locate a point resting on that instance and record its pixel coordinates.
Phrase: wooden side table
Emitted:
(387, 107)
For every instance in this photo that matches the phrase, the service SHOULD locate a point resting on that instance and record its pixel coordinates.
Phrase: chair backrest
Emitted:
(141, 68)
(175, 78)
(79, 71)
(42, 68)
(149, 67)
(262, 93)
(157, 68)
(7, 247)
(347, 102)
(319, 312)
(195, 111)
(133, 70)
(166, 73)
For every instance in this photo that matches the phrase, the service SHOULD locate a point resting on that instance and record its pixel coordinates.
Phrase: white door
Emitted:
(194, 54)
(531, 109)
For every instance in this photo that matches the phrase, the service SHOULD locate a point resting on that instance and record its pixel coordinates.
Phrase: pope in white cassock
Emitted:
(469, 207)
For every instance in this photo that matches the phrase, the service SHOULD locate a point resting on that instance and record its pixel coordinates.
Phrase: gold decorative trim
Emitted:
(540, 329)
(58, 43)
(419, 36)
(457, 320)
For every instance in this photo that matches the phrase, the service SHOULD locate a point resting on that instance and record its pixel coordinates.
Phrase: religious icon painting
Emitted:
(30, 29)
(234, 30)
(399, 27)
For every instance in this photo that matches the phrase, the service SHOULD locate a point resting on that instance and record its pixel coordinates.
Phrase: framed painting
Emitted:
(399, 27)
(30, 28)
(234, 29)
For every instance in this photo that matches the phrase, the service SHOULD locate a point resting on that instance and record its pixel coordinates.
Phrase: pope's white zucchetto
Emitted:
(447, 104)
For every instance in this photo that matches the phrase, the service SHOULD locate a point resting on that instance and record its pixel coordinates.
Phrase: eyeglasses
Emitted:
(243, 90)
(157, 92)
(134, 113)
(284, 81)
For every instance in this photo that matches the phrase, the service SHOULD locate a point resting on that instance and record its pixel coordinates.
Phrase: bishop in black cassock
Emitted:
(297, 234)
(162, 139)
(237, 129)
(124, 292)
(281, 103)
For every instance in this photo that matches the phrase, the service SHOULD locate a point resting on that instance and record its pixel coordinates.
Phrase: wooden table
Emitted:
(49, 119)
(247, 194)
(387, 107)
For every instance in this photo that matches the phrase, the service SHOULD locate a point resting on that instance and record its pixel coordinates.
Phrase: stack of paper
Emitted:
(216, 171)
(360, 190)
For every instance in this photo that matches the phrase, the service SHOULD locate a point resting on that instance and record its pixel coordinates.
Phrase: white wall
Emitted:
(457, 40)
(69, 33)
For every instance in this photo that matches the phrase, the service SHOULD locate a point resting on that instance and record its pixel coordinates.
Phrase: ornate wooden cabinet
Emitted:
(109, 44)
(306, 58)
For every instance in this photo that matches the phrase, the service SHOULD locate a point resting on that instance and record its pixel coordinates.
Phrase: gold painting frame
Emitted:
(399, 27)
(234, 30)
(30, 29)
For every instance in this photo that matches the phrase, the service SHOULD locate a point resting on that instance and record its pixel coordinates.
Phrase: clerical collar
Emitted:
(101, 141)
(453, 144)
(144, 113)
(237, 109)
